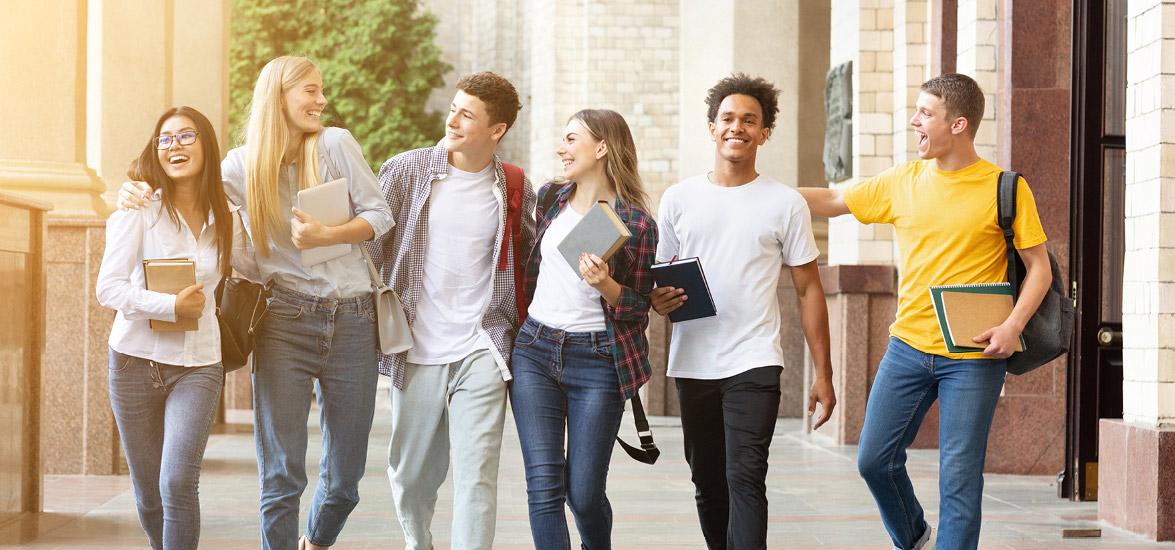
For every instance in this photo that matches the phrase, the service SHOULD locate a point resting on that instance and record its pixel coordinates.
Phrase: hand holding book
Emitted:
(189, 303)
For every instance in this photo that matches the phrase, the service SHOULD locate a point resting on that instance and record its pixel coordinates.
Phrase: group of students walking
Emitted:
(498, 315)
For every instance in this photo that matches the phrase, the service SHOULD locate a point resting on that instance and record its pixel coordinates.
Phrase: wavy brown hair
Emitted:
(620, 164)
(210, 195)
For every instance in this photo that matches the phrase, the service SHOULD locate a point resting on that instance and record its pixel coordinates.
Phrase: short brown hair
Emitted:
(962, 97)
(497, 93)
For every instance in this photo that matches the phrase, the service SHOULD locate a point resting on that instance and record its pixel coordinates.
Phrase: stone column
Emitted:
(1033, 133)
(977, 41)
(112, 70)
(862, 32)
(1136, 483)
(911, 67)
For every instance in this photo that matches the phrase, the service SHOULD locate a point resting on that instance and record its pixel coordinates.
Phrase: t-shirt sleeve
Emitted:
(667, 245)
(797, 243)
(1029, 231)
(871, 201)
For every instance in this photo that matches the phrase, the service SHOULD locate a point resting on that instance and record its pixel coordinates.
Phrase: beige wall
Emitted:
(1148, 319)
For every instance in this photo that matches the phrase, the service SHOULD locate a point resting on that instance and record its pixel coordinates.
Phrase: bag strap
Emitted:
(1006, 215)
(515, 179)
(551, 196)
(376, 282)
(648, 451)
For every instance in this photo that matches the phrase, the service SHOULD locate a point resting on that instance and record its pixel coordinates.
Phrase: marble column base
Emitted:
(1136, 478)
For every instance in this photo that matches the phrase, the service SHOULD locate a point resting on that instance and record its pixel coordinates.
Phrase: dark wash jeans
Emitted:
(164, 414)
(728, 424)
(566, 381)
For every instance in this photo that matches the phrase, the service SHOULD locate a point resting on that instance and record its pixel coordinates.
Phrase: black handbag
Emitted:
(1048, 333)
(240, 305)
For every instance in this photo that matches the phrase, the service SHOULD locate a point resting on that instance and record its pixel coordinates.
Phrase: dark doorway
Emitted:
(1098, 235)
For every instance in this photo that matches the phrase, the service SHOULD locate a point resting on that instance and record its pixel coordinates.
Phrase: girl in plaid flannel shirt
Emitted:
(582, 351)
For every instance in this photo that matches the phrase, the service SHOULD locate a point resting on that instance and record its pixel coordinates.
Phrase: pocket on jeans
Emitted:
(603, 351)
(282, 310)
(118, 362)
(525, 338)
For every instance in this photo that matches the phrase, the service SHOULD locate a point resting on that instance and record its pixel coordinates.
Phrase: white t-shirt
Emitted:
(743, 236)
(561, 299)
(462, 225)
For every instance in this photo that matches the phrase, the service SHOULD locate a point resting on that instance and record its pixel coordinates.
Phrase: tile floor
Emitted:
(816, 500)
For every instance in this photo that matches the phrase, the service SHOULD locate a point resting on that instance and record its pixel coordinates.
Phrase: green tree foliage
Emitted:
(378, 60)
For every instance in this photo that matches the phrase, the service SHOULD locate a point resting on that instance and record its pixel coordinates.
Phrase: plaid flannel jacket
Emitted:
(630, 267)
(406, 181)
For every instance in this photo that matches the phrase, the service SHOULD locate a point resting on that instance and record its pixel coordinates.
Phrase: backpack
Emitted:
(1048, 333)
(514, 182)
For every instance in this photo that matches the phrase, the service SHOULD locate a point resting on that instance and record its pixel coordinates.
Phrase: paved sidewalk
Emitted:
(817, 500)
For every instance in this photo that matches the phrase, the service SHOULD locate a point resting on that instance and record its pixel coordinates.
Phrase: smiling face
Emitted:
(303, 103)
(935, 131)
(468, 128)
(181, 162)
(580, 153)
(737, 129)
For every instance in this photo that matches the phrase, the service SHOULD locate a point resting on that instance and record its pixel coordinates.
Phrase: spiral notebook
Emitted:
(966, 311)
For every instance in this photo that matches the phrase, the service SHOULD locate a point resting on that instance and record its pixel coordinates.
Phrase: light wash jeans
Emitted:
(565, 384)
(456, 409)
(327, 346)
(908, 382)
(164, 414)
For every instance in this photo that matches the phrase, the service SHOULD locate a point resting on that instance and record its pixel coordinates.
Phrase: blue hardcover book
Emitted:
(686, 274)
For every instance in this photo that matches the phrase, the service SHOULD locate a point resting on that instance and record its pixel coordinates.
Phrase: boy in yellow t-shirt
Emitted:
(943, 209)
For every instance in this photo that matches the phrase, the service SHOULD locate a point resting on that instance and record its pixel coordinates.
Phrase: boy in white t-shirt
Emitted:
(744, 227)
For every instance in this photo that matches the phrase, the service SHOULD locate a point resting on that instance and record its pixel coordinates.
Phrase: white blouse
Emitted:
(149, 233)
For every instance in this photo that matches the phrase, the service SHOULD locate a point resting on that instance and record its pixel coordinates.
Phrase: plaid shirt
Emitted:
(628, 319)
(406, 181)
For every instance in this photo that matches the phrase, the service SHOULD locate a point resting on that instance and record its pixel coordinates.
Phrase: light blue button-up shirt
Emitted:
(339, 156)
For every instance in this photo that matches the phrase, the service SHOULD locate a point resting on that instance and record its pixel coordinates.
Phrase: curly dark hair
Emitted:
(740, 83)
(496, 92)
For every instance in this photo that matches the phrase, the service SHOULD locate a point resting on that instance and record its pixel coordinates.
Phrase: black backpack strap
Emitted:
(648, 452)
(1006, 215)
(550, 198)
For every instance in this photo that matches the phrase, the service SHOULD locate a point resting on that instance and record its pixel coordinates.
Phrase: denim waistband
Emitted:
(540, 330)
(355, 304)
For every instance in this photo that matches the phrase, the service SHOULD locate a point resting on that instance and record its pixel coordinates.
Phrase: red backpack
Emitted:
(515, 179)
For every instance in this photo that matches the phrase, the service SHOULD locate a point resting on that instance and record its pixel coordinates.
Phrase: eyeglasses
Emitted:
(165, 141)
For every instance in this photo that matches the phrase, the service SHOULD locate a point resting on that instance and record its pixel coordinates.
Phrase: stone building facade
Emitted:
(83, 77)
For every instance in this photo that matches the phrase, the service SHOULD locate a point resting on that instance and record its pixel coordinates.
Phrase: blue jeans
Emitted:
(566, 380)
(907, 383)
(164, 414)
(328, 346)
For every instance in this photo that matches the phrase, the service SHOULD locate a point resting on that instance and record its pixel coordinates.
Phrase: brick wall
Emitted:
(1148, 320)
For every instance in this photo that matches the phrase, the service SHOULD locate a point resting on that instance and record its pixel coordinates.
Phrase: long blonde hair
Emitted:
(620, 166)
(266, 138)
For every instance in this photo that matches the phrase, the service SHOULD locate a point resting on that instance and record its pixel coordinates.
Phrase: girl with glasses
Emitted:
(165, 385)
(319, 335)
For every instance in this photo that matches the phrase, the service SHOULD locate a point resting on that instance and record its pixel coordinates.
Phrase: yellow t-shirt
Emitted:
(947, 234)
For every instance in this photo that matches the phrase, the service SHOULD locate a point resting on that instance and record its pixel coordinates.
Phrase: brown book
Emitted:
(170, 277)
(966, 311)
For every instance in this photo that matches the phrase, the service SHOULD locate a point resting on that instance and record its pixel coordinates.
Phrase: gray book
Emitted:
(600, 232)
